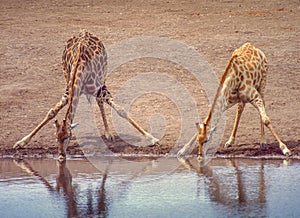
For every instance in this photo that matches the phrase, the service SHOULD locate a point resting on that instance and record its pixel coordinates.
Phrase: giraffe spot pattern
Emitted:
(84, 62)
(248, 72)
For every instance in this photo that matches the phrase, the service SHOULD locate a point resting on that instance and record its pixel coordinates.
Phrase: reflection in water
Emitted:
(220, 184)
(68, 191)
(64, 184)
(224, 187)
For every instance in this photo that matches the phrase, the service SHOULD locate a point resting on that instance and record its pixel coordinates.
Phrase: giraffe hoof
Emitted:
(16, 146)
(181, 153)
(228, 144)
(263, 145)
(151, 138)
(154, 141)
(110, 137)
(19, 144)
(287, 152)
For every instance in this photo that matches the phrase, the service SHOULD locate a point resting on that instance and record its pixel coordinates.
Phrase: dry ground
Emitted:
(33, 35)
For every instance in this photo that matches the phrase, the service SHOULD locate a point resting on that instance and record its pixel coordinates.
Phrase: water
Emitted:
(166, 187)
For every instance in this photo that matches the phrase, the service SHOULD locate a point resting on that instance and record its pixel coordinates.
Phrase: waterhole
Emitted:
(115, 188)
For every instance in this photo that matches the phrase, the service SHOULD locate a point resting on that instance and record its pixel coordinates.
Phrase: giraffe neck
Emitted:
(75, 84)
(216, 111)
(74, 94)
(220, 102)
(69, 117)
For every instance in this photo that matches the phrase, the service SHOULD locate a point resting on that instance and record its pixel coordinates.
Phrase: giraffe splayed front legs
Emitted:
(85, 68)
(243, 81)
(50, 115)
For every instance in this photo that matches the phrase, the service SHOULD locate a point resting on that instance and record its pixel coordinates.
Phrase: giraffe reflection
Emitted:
(236, 186)
(230, 186)
(69, 191)
(64, 185)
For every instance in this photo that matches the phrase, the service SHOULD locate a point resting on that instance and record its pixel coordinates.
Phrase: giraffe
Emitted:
(243, 81)
(84, 63)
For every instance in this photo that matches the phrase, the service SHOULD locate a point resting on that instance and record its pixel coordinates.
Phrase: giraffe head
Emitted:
(202, 137)
(63, 135)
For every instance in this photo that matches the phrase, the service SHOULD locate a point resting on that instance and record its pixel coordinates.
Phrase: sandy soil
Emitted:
(33, 35)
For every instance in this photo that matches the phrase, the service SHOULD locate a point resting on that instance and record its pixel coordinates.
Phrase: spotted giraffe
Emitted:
(84, 63)
(243, 81)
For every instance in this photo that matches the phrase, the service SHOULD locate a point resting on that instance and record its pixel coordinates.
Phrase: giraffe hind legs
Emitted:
(104, 95)
(108, 135)
(258, 103)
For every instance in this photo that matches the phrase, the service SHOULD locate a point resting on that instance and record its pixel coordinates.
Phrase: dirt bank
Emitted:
(33, 35)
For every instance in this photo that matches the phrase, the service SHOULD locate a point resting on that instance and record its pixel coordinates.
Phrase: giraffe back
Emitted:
(84, 63)
(251, 63)
(245, 74)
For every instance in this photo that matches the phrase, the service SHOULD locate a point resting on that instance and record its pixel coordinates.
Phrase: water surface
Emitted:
(166, 187)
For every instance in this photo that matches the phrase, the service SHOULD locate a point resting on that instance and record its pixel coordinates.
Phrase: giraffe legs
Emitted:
(263, 141)
(50, 115)
(185, 148)
(258, 103)
(107, 132)
(105, 96)
(240, 109)
(261, 91)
